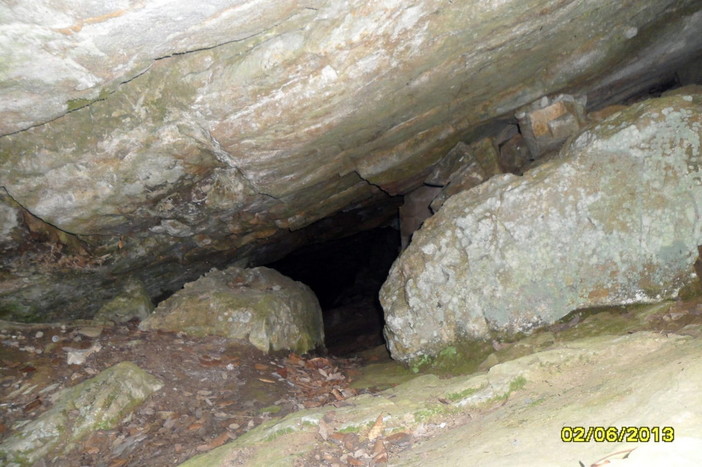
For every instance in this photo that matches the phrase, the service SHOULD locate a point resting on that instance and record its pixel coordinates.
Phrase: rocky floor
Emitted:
(214, 390)
(324, 410)
(622, 368)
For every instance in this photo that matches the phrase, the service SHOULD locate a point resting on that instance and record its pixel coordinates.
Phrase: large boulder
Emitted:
(614, 219)
(260, 305)
(133, 302)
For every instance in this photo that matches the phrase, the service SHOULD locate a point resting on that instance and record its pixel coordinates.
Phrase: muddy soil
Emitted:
(214, 390)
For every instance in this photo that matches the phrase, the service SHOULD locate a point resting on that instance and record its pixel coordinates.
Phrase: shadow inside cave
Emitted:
(346, 275)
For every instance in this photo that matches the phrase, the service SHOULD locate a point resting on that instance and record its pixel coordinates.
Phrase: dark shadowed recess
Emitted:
(346, 275)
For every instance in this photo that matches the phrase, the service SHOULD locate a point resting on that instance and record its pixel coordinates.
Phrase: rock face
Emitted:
(613, 220)
(161, 142)
(99, 403)
(132, 303)
(260, 305)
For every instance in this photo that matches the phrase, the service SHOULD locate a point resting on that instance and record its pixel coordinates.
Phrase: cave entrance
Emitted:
(346, 275)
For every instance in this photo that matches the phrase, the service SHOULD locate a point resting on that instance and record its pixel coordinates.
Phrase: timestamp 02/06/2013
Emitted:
(617, 434)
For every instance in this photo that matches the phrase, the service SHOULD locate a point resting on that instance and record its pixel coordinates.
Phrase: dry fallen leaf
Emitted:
(195, 426)
(377, 428)
(207, 360)
(32, 405)
(380, 454)
(295, 359)
(401, 439)
(318, 362)
(323, 430)
(218, 441)
(28, 369)
(118, 462)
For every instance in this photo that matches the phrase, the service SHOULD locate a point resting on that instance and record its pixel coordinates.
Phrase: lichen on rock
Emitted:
(133, 302)
(99, 403)
(259, 305)
(613, 220)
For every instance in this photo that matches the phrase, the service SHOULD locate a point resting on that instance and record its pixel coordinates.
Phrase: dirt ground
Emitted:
(214, 390)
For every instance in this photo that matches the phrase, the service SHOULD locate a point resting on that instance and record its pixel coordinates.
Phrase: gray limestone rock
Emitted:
(478, 162)
(514, 155)
(458, 157)
(99, 403)
(133, 302)
(614, 219)
(10, 223)
(260, 305)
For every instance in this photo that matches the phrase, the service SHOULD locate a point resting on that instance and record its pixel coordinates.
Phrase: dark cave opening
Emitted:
(346, 275)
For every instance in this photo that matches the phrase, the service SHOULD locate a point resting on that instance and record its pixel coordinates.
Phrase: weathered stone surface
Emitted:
(227, 128)
(485, 153)
(693, 90)
(601, 114)
(615, 219)
(133, 302)
(260, 305)
(457, 158)
(478, 162)
(99, 403)
(10, 223)
(548, 122)
(514, 155)
(528, 400)
(415, 210)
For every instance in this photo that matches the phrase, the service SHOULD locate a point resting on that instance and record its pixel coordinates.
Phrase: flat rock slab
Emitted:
(511, 415)
(642, 380)
(99, 403)
(613, 220)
